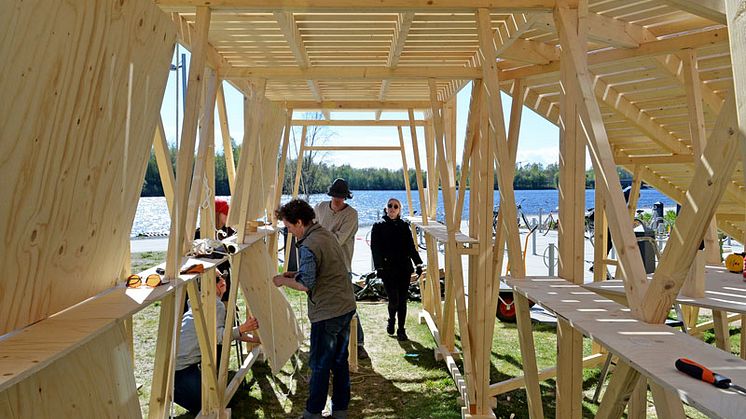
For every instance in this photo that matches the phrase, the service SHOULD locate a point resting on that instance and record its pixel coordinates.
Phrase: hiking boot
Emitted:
(390, 327)
(401, 335)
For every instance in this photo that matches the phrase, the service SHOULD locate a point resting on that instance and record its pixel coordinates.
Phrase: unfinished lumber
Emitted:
(77, 130)
(278, 327)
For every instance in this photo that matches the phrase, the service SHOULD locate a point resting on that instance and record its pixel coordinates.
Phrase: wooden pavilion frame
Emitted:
(656, 87)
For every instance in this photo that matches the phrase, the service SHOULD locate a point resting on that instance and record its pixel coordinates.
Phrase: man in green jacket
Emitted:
(323, 275)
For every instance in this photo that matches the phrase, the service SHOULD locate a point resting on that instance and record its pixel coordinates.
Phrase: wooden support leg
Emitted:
(528, 356)
(722, 331)
(667, 404)
(617, 394)
(638, 402)
(352, 345)
(569, 368)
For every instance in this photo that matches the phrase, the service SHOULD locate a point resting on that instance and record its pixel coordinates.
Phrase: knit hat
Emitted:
(221, 206)
(339, 189)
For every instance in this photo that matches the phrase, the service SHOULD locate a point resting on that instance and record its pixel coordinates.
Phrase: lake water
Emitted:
(152, 213)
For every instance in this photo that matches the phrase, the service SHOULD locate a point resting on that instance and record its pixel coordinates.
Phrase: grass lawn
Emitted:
(400, 380)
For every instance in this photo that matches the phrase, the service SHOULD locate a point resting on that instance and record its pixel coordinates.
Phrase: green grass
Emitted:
(400, 380)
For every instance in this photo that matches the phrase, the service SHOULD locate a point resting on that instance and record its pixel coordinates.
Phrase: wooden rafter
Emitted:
(351, 73)
(366, 5)
(292, 35)
(709, 9)
(403, 23)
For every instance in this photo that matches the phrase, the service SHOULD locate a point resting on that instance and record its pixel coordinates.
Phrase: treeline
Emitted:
(316, 177)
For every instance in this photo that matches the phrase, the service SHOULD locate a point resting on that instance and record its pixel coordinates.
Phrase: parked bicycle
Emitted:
(521, 218)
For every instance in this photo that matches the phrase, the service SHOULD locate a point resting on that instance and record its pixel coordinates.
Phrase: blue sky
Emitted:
(538, 138)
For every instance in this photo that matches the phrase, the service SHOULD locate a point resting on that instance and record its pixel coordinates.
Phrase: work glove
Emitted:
(418, 270)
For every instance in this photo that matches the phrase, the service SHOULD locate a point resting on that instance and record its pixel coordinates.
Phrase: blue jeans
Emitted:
(188, 388)
(329, 339)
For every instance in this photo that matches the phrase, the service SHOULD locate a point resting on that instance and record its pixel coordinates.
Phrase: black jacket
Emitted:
(393, 248)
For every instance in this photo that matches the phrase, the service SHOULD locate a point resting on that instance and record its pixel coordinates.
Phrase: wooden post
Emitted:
(447, 176)
(165, 169)
(280, 182)
(507, 205)
(571, 212)
(186, 149)
(699, 140)
(405, 172)
(230, 165)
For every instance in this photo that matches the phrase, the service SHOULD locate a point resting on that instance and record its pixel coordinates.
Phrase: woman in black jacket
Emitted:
(393, 252)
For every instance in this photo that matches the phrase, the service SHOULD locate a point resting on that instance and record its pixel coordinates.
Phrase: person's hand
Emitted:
(279, 280)
(250, 324)
(379, 272)
(290, 274)
(418, 269)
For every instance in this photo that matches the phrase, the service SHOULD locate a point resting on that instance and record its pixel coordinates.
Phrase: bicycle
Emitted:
(520, 217)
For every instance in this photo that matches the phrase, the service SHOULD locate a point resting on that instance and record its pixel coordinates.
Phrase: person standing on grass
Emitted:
(341, 219)
(188, 376)
(393, 252)
(323, 275)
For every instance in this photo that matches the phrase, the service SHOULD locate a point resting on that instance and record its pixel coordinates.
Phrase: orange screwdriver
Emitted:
(705, 374)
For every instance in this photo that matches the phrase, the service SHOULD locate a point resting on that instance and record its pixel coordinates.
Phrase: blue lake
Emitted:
(152, 213)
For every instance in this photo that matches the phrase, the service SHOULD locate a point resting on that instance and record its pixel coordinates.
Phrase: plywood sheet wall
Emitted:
(260, 192)
(278, 327)
(81, 85)
(94, 381)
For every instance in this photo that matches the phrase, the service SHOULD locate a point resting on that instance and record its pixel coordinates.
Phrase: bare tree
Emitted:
(312, 159)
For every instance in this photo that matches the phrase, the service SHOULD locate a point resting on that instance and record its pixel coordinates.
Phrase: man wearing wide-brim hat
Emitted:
(342, 221)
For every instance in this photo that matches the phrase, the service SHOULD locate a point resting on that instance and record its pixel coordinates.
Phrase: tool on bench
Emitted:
(705, 374)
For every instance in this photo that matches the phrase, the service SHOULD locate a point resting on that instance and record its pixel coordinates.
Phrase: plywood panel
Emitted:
(94, 381)
(278, 327)
(82, 84)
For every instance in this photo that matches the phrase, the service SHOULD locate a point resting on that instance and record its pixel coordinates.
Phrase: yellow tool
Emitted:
(734, 262)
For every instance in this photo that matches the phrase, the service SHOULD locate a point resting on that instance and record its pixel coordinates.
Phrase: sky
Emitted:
(538, 142)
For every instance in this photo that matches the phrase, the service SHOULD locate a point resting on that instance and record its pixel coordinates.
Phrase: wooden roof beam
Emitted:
(352, 73)
(644, 122)
(358, 105)
(403, 24)
(708, 9)
(292, 35)
(623, 159)
(617, 33)
(648, 49)
(673, 65)
(186, 33)
(363, 6)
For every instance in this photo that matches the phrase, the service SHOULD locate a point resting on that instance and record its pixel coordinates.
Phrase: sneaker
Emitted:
(362, 353)
(390, 327)
(401, 335)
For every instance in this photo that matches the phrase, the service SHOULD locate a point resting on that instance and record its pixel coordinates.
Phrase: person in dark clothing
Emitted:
(393, 253)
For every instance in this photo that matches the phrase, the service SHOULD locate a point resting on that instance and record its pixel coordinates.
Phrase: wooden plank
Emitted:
(278, 327)
(649, 348)
(507, 204)
(447, 177)
(571, 209)
(230, 164)
(603, 162)
(185, 158)
(709, 9)
(77, 130)
(351, 73)
(165, 168)
(355, 123)
(72, 385)
(515, 383)
(403, 24)
(712, 173)
(353, 148)
(366, 5)
(304, 105)
(736, 28)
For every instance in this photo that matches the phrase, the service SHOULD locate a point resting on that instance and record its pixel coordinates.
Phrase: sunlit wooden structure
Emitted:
(654, 86)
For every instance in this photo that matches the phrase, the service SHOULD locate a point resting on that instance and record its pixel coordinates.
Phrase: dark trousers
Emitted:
(188, 388)
(397, 289)
(329, 339)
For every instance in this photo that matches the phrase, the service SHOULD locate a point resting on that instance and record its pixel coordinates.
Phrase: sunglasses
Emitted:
(135, 281)
(394, 206)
